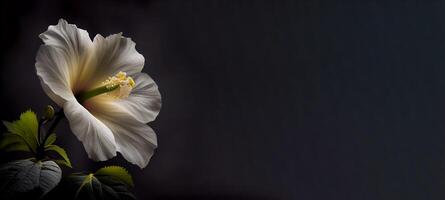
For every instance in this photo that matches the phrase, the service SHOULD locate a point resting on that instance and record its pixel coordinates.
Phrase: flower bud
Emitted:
(49, 113)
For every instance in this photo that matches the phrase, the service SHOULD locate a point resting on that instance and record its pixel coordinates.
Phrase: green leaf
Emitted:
(50, 140)
(113, 189)
(89, 187)
(22, 176)
(116, 172)
(61, 152)
(26, 127)
(64, 163)
(87, 184)
(107, 183)
(13, 142)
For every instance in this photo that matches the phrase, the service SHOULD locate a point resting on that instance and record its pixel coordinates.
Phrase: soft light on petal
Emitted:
(61, 59)
(144, 101)
(111, 55)
(97, 138)
(111, 118)
(53, 77)
(136, 141)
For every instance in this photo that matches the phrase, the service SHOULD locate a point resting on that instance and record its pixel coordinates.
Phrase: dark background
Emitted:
(266, 99)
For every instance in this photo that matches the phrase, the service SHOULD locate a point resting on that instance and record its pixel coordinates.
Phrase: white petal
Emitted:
(113, 54)
(52, 74)
(61, 59)
(97, 139)
(136, 141)
(144, 101)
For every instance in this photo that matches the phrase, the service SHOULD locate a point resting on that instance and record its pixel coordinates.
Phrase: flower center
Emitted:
(117, 86)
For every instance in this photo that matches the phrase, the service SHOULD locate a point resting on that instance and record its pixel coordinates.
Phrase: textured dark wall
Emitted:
(266, 99)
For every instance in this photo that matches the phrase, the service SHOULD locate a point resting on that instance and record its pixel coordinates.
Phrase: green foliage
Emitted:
(26, 128)
(27, 175)
(107, 183)
(51, 139)
(13, 142)
(59, 150)
(116, 172)
(39, 175)
(23, 136)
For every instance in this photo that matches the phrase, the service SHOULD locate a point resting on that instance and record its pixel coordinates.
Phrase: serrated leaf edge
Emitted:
(128, 179)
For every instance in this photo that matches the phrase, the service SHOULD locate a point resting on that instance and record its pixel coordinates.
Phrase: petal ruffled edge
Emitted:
(111, 55)
(61, 58)
(52, 78)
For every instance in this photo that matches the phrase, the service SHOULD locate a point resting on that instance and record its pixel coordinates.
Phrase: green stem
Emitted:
(39, 133)
(59, 116)
(41, 148)
(94, 92)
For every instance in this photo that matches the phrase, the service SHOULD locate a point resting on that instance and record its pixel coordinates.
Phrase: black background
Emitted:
(266, 99)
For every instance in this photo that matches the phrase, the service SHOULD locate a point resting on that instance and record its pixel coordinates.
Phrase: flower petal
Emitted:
(144, 101)
(113, 54)
(53, 75)
(97, 139)
(136, 141)
(61, 59)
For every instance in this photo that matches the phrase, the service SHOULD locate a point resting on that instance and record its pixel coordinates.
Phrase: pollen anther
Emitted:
(120, 85)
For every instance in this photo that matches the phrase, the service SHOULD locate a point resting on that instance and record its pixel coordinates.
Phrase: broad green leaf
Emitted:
(61, 152)
(51, 139)
(98, 186)
(113, 189)
(87, 184)
(13, 142)
(101, 187)
(27, 175)
(116, 172)
(26, 127)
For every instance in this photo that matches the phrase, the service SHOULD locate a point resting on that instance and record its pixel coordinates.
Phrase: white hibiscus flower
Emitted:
(104, 95)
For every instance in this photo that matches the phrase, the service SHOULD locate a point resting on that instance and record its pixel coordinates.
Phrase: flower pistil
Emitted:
(117, 86)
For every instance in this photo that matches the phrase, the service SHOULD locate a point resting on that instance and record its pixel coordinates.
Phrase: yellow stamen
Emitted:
(120, 79)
